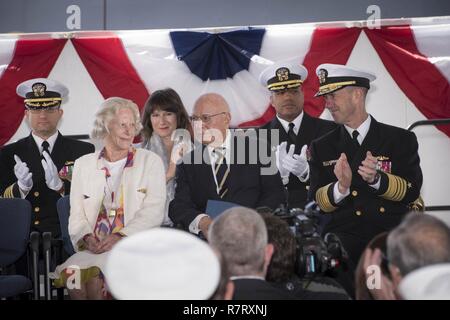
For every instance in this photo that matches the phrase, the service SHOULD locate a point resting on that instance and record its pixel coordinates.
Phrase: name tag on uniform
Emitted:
(329, 163)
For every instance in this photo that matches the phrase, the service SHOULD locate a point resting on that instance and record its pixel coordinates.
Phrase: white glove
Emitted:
(51, 173)
(280, 156)
(297, 164)
(23, 175)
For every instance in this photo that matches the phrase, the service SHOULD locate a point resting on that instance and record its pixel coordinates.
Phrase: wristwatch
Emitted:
(377, 178)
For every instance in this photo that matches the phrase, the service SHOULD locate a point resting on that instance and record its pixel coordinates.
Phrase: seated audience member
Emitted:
(116, 192)
(420, 240)
(281, 271)
(240, 235)
(214, 170)
(164, 113)
(427, 283)
(364, 174)
(362, 292)
(163, 264)
(225, 289)
(293, 125)
(38, 168)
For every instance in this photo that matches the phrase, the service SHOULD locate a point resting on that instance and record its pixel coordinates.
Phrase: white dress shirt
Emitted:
(51, 141)
(297, 122)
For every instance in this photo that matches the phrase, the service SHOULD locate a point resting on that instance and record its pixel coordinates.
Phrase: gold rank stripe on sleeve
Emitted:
(397, 187)
(323, 200)
(8, 193)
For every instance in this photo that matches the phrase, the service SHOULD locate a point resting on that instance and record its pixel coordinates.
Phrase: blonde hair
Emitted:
(108, 110)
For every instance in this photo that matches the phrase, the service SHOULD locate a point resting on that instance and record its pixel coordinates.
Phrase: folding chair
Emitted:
(15, 221)
(63, 208)
(49, 244)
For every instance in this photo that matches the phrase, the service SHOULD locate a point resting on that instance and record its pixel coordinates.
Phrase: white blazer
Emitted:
(144, 186)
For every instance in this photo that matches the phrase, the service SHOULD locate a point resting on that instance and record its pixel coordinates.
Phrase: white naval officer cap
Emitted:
(333, 77)
(427, 283)
(42, 93)
(283, 75)
(160, 264)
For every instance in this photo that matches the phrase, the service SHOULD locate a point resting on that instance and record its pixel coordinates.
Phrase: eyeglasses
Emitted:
(205, 117)
(43, 110)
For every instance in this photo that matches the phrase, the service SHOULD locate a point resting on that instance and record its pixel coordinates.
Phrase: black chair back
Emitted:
(63, 208)
(15, 221)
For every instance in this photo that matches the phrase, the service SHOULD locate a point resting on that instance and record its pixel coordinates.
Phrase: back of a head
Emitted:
(282, 264)
(420, 240)
(240, 235)
(361, 290)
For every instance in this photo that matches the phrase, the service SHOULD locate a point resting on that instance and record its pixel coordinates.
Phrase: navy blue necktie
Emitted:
(355, 135)
(291, 134)
(45, 145)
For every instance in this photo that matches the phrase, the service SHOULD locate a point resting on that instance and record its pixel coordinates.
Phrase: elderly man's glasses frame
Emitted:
(206, 117)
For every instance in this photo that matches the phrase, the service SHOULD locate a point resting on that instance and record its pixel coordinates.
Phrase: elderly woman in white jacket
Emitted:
(116, 192)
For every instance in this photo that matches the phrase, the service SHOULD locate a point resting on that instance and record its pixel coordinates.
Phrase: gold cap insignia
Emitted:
(282, 74)
(322, 74)
(39, 89)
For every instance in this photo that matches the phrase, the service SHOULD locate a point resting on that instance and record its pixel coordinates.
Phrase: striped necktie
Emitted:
(221, 171)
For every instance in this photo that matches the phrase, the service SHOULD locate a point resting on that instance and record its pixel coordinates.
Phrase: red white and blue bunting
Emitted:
(132, 64)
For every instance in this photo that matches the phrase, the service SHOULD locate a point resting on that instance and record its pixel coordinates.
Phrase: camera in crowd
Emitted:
(315, 255)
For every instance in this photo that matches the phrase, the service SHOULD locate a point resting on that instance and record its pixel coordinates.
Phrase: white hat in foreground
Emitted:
(162, 263)
(427, 283)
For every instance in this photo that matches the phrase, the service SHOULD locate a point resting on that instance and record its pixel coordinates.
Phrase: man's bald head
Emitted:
(214, 111)
(211, 102)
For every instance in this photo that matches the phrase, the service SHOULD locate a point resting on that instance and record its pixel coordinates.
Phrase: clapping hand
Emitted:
(52, 178)
(343, 173)
(23, 175)
(297, 164)
(281, 154)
